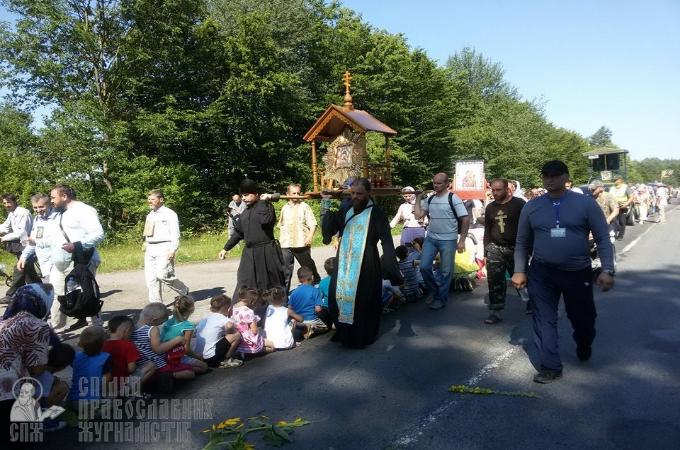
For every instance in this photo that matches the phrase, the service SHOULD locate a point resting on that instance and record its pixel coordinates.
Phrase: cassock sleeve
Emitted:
(390, 268)
(236, 236)
(333, 222)
(264, 213)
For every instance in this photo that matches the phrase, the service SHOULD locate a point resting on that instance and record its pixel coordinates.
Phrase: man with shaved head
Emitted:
(446, 233)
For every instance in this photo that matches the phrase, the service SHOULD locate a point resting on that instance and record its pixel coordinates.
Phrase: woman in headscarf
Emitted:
(24, 342)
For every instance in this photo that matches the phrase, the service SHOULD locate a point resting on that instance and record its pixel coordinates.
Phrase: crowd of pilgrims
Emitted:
(162, 347)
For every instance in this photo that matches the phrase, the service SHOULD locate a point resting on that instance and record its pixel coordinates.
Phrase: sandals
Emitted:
(492, 319)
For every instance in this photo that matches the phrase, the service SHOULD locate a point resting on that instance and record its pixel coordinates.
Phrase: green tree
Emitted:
(21, 168)
(601, 138)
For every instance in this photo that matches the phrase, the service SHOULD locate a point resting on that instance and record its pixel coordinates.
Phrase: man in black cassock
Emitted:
(261, 265)
(356, 286)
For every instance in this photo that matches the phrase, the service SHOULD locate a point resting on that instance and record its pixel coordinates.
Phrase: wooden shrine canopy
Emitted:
(334, 120)
(344, 129)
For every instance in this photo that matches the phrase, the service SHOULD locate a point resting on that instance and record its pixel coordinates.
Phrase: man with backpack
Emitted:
(446, 233)
(74, 257)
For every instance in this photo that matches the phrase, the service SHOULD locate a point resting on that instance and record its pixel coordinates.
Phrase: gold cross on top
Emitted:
(347, 77)
(500, 218)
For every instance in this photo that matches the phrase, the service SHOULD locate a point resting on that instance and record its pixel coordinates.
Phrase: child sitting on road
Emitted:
(91, 367)
(278, 324)
(410, 289)
(216, 335)
(415, 254)
(306, 301)
(147, 339)
(55, 390)
(182, 356)
(392, 298)
(124, 354)
(252, 339)
(325, 283)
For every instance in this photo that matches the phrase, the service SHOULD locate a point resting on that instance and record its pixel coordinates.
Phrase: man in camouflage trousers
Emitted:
(500, 231)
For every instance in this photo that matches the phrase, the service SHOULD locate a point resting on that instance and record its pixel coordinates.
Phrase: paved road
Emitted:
(394, 394)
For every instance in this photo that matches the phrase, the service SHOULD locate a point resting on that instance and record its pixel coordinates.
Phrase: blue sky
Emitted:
(597, 62)
(611, 63)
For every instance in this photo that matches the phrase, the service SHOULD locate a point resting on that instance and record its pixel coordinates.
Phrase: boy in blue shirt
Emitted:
(325, 283)
(307, 301)
(91, 367)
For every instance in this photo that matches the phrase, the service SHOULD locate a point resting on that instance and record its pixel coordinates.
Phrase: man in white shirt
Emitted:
(413, 227)
(662, 202)
(161, 241)
(15, 231)
(297, 223)
(39, 240)
(76, 226)
(17, 225)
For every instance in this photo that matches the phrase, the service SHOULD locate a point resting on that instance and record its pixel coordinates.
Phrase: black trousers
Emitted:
(620, 223)
(546, 285)
(221, 349)
(304, 258)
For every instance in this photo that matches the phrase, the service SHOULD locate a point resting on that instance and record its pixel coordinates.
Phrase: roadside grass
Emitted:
(197, 248)
(129, 256)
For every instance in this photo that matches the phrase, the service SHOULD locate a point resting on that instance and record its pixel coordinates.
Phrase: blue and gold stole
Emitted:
(350, 258)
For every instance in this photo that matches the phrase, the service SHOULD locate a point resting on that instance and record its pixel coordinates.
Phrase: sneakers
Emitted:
(96, 321)
(584, 352)
(437, 305)
(230, 363)
(546, 376)
(429, 299)
(492, 319)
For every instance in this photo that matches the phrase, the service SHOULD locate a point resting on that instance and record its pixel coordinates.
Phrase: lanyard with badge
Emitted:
(557, 232)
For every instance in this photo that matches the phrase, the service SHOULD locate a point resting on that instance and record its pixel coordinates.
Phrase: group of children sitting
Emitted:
(413, 288)
(163, 348)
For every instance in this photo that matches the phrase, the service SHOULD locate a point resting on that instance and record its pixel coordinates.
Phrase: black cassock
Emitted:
(261, 263)
(367, 304)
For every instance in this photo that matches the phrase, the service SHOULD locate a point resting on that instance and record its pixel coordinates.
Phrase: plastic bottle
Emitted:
(72, 284)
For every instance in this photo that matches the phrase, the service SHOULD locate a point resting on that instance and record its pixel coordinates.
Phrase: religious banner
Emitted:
(469, 181)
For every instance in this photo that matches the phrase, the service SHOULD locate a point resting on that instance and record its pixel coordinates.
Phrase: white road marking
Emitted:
(635, 241)
(340, 372)
(416, 432)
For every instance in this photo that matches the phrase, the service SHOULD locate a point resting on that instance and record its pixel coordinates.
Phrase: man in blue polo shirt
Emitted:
(444, 209)
(554, 229)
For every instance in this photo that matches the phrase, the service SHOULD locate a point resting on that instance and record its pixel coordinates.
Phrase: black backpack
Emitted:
(455, 214)
(81, 298)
